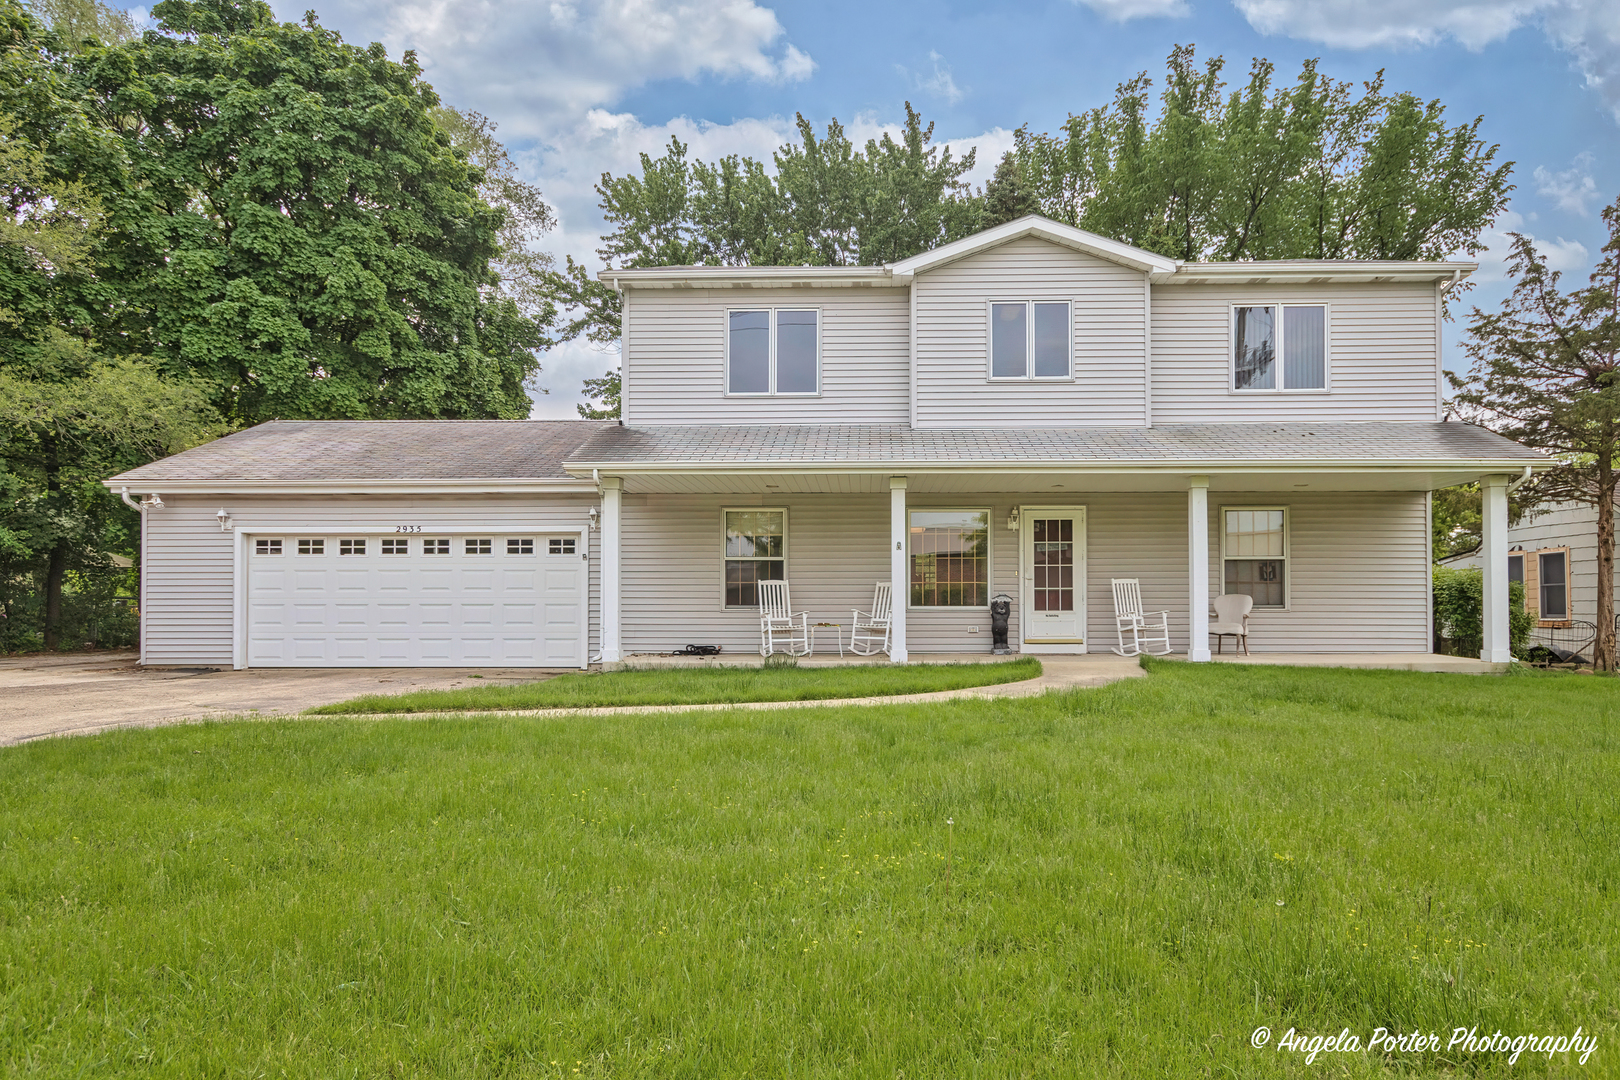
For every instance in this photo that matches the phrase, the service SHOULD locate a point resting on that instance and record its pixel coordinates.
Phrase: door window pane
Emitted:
(1254, 364)
(795, 352)
(1051, 341)
(1554, 586)
(1304, 348)
(755, 551)
(950, 558)
(750, 352)
(1053, 544)
(1009, 341)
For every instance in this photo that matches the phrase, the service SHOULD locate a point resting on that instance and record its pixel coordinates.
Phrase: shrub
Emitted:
(1459, 609)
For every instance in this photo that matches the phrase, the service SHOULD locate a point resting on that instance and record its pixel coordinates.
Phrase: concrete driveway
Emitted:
(84, 693)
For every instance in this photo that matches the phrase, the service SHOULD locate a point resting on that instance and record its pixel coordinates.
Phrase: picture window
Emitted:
(950, 558)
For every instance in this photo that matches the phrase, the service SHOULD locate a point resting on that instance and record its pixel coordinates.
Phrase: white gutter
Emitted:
(1514, 486)
(500, 485)
(1004, 465)
(141, 508)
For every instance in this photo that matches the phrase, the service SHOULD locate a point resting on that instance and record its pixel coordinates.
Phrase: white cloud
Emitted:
(1125, 10)
(1565, 256)
(1572, 189)
(940, 83)
(1589, 30)
(535, 65)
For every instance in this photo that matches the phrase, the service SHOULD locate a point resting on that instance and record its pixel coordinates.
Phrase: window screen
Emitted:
(1050, 345)
(1255, 362)
(950, 558)
(1290, 357)
(750, 352)
(796, 352)
(1009, 341)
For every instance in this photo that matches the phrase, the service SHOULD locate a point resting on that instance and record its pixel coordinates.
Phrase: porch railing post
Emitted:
(899, 579)
(1494, 534)
(612, 499)
(1198, 568)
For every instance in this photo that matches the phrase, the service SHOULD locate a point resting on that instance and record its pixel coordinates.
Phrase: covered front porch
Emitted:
(1326, 527)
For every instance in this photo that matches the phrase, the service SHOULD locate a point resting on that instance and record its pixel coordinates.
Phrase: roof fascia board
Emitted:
(1315, 272)
(1045, 229)
(755, 277)
(554, 486)
(1198, 465)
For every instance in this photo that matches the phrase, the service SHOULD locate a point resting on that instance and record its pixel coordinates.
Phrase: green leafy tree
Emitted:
(290, 224)
(1007, 197)
(1313, 170)
(1546, 373)
(79, 21)
(604, 390)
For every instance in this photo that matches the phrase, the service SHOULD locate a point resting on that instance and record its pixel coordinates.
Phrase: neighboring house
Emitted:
(1033, 410)
(1553, 550)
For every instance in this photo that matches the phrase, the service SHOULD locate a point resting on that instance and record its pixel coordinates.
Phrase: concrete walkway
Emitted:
(1057, 673)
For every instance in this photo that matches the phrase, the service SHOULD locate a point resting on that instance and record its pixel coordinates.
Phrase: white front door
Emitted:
(1053, 608)
(327, 599)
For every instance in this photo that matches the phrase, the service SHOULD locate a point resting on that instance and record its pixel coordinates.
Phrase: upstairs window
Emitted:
(1279, 347)
(1029, 339)
(773, 351)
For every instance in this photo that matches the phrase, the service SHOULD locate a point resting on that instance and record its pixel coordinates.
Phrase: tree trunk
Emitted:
(56, 568)
(1603, 651)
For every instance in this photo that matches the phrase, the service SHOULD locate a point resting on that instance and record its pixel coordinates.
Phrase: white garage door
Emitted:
(462, 600)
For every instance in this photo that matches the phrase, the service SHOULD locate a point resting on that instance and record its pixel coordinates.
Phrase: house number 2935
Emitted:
(407, 528)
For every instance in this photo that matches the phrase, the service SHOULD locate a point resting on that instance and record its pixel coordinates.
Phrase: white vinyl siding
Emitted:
(1359, 560)
(1107, 334)
(677, 345)
(190, 574)
(1382, 354)
(1558, 525)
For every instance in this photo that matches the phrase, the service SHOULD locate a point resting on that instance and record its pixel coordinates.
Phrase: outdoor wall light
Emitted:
(1012, 520)
(594, 512)
(224, 520)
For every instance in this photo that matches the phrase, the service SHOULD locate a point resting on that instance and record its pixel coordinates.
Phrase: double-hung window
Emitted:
(950, 558)
(1029, 339)
(1279, 347)
(1254, 554)
(773, 351)
(755, 551)
(1553, 574)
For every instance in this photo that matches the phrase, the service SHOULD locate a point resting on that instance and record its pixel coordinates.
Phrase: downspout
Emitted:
(1514, 486)
(139, 508)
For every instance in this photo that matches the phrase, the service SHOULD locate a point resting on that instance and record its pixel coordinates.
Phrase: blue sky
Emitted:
(579, 87)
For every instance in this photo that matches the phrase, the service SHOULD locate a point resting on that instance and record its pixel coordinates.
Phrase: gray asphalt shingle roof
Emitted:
(315, 450)
(885, 443)
(381, 450)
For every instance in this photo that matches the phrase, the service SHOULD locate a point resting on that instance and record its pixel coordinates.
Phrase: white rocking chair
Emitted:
(781, 629)
(1147, 628)
(870, 634)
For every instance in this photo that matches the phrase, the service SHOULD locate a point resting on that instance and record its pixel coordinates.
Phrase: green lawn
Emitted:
(1140, 876)
(698, 686)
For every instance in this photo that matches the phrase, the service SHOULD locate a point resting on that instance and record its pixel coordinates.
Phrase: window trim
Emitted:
(1327, 348)
(1029, 340)
(1287, 555)
(772, 392)
(786, 553)
(989, 513)
(1567, 617)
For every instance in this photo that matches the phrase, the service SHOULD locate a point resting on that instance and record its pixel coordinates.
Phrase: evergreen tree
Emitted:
(1006, 198)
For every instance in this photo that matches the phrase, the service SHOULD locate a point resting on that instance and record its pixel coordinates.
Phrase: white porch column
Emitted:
(899, 578)
(1494, 530)
(1198, 568)
(612, 492)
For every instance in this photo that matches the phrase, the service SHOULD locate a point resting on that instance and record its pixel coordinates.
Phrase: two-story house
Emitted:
(1031, 411)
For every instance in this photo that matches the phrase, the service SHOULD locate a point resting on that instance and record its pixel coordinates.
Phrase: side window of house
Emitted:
(950, 558)
(773, 351)
(755, 551)
(1553, 575)
(1029, 339)
(1254, 554)
(1279, 347)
